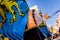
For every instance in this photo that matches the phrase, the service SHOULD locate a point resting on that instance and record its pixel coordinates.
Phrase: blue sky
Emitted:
(47, 6)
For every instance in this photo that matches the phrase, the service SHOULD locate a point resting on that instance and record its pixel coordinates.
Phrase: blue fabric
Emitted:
(15, 30)
(45, 31)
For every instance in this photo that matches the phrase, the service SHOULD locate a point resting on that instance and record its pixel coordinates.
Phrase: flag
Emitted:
(15, 30)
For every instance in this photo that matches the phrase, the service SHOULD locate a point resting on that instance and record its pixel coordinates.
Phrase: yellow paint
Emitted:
(8, 4)
(51, 29)
(6, 38)
(0, 35)
(3, 16)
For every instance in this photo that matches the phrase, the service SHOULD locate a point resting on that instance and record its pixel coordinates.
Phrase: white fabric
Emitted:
(38, 18)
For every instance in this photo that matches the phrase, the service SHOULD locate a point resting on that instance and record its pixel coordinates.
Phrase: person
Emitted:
(43, 27)
(32, 32)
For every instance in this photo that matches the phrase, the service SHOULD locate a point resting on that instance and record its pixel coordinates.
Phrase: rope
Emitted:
(54, 13)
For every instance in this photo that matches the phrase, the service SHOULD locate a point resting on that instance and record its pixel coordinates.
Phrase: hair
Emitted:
(33, 10)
